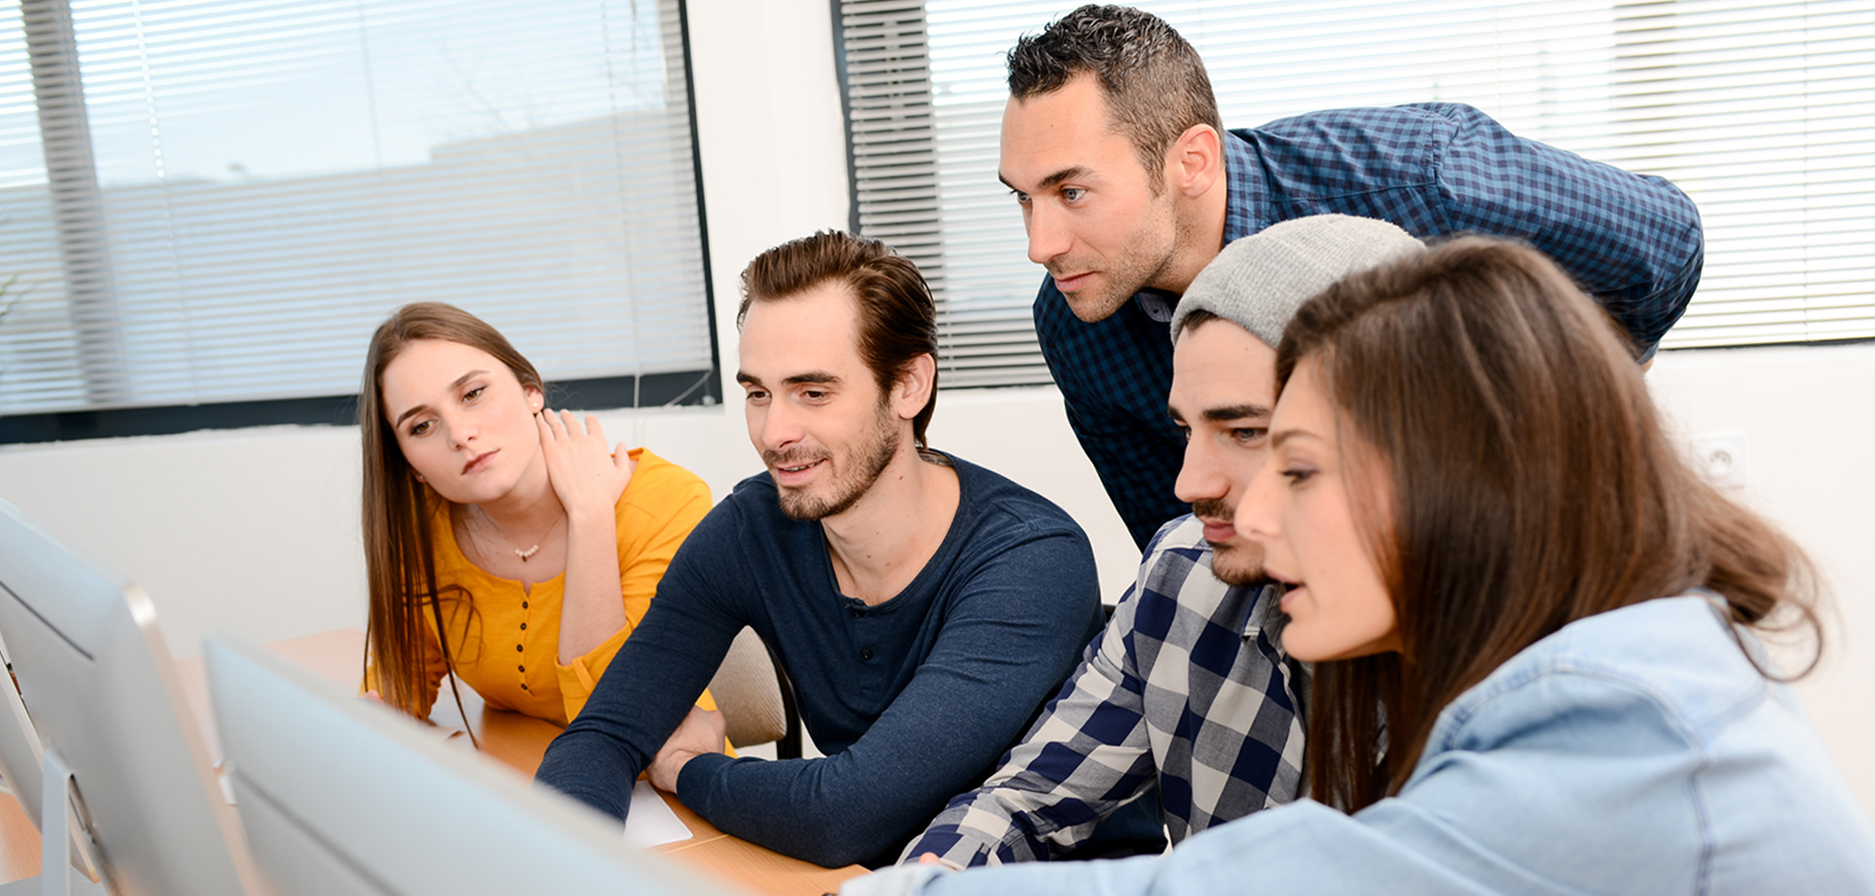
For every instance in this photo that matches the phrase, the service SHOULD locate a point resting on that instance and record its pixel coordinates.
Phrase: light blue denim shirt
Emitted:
(1633, 752)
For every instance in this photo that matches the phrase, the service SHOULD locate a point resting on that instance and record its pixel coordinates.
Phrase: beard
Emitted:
(1125, 276)
(1238, 562)
(1145, 256)
(852, 477)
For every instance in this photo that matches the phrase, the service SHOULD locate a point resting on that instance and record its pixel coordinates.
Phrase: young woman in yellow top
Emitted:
(503, 541)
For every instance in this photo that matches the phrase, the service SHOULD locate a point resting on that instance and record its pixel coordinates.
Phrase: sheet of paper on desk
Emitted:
(651, 822)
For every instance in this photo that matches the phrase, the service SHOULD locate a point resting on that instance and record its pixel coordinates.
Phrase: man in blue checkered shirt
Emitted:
(1129, 184)
(1188, 692)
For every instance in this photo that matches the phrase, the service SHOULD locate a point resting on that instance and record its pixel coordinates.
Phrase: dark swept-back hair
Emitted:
(400, 560)
(1531, 486)
(1154, 82)
(897, 319)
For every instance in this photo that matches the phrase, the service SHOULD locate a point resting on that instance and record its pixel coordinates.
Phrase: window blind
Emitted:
(1764, 113)
(218, 200)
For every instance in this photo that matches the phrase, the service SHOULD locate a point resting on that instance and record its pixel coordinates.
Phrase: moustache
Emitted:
(793, 457)
(1213, 509)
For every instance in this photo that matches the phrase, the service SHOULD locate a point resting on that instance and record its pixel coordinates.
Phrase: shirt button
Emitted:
(523, 626)
(523, 687)
(522, 668)
(517, 648)
(523, 605)
(866, 654)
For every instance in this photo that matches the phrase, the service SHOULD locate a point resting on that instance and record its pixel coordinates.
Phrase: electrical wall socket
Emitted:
(1722, 458)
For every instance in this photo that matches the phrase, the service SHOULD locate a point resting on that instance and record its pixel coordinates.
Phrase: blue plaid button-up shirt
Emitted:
(1187, 690)
(1632, 241)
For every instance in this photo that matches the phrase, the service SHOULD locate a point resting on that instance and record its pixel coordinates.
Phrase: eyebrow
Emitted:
(1073, 172)
(457, 384)
(1223, 414)
(1234, 412)
(812, 376)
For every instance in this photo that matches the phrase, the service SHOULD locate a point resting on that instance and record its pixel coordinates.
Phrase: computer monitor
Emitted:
(342, 796)
(104, 699)
(22, 765)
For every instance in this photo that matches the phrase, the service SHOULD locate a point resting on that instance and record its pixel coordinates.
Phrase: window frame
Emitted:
(699, 387)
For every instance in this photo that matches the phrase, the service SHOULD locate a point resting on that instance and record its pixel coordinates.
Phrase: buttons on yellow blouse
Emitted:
(517, 648)
(523, 626)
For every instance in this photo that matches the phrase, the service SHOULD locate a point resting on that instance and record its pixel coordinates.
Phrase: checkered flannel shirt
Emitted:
(1632, 241)
(1186, 688)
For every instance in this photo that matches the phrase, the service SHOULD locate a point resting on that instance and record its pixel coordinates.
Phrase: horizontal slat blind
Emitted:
(1763, 112)
(249, 186)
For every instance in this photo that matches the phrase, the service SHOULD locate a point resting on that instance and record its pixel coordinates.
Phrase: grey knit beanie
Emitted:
(1259, 281)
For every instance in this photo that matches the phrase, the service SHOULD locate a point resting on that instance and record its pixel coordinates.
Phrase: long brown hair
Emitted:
(400, 560)
(1532, 486)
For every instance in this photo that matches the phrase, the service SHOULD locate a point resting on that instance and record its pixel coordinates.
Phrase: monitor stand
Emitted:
(55, 856)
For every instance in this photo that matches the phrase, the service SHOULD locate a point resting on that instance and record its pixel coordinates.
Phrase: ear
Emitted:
(913, 389)
(1196, 161)
(535, 399)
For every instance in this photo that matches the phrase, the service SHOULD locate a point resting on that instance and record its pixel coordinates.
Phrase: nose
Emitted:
(1198, 478)
(774, 425)
(1256, 513)
(1048, 235)
(460, 427)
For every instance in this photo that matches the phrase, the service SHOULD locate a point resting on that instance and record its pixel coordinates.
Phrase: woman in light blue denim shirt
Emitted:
(1504, 573)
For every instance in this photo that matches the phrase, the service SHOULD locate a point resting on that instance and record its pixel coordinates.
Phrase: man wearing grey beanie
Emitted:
(1187, 693)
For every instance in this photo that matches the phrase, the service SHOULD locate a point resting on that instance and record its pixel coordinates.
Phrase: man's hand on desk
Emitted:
(702, 731)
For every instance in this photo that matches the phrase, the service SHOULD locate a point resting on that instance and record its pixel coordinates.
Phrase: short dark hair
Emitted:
(1155, 84)
(897, 318)
(1195, 320)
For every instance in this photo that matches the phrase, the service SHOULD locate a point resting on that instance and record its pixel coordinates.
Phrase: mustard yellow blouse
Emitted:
(506, 641)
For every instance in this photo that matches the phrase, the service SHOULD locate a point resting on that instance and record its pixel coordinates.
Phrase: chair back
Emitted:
(749, 692)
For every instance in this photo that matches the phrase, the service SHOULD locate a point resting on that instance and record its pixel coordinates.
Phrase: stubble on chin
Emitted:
(1237, 564)
(1092, 308)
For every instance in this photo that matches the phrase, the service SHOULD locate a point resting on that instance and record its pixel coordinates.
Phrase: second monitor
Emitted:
(340, 796)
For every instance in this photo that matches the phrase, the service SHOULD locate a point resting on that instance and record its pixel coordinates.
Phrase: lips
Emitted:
(1291, 588)
(795, 472)
(1217, 532)
(479, 462)
(1073, 282)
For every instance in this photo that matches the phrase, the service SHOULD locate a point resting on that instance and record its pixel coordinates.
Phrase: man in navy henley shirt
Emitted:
(924, 607)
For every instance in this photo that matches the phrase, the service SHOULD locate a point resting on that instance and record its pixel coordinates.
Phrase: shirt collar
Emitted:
(1264, 610)
(1157, 304)
(1245, 199)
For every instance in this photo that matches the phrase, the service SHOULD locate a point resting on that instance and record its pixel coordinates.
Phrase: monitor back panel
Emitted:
(343, 796)
(98, 682)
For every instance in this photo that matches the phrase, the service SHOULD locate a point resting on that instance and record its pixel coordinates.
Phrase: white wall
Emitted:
(1805, 416)
(255, 531)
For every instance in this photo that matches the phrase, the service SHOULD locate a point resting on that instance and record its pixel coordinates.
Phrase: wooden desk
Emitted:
(515, 740)
(19, 842)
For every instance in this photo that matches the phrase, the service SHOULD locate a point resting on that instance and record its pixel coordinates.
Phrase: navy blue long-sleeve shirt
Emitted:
(912, 700)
